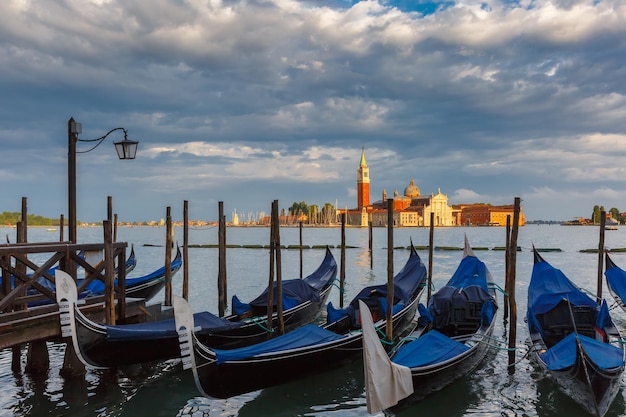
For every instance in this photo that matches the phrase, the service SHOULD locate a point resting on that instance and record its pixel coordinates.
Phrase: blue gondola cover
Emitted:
(433, 347)
(563, 354)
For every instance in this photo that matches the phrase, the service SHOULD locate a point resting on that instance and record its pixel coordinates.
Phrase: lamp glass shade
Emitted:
(126, 149)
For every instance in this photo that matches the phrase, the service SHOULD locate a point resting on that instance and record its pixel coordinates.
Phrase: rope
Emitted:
(259, 322)
(499, 288)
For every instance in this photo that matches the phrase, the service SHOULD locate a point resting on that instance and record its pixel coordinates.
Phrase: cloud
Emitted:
(247, 101)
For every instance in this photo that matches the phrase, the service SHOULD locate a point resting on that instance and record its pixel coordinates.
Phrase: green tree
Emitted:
(298, 208)
(615, 214)
(595, 217)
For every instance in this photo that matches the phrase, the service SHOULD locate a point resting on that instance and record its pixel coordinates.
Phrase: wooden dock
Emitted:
(29, 314)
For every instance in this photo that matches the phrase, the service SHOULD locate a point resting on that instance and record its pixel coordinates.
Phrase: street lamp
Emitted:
(126, 149)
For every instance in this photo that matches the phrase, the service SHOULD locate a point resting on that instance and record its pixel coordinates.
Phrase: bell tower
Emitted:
(363, 183)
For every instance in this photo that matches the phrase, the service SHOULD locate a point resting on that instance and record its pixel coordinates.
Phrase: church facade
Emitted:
(410, 209)
(414, 209)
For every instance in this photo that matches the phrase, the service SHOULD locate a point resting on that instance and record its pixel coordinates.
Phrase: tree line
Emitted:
(10, 218)
(613, 212)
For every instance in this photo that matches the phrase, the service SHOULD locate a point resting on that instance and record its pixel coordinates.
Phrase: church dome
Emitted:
(412, 190)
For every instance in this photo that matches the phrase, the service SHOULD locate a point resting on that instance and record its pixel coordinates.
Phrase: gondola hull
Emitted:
(452, 336)
(103, 346)
(307, 350)
(233, 378)
(592, 387)
(427, 380)
(573, 339)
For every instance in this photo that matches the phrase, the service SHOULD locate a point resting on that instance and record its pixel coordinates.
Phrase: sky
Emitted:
(249, 101)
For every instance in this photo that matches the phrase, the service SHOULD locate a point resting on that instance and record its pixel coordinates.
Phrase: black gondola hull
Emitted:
(233, 378)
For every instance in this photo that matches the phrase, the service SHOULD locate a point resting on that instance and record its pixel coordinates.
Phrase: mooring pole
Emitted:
(390, 287)
(511, 274)
(279, 275)
(270, 283)
(186, 250)
(300, 248)
(221, 261)
(507, 279)
(371, 243)
(431, 240)
(168, 256)
(342, 272)
(109, 269)
(601, 256)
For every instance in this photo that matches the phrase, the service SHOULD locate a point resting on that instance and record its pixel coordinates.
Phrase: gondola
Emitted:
(307, 350)
(103, 346)
(450, 340)
(573, 338)
(616, 281)
(146, 286)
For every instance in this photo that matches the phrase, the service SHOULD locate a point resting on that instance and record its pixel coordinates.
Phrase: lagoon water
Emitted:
(166, 390)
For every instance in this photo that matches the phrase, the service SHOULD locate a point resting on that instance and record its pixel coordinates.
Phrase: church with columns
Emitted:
(409, 209)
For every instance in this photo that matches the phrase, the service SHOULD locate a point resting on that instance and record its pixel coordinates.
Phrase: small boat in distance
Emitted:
(573, 338)
(450, 340)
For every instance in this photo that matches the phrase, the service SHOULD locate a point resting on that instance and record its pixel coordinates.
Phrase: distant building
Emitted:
(488, 215)
(414, 209)
(409, 209)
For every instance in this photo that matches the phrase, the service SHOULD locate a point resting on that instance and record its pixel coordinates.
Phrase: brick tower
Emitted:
(363, 183)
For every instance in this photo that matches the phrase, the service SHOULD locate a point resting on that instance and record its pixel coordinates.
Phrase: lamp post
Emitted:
(126, 149)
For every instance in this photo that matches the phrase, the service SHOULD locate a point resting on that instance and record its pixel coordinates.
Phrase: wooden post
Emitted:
(370, 242)
(390, 287)
(24, 220)
(109, 274)
(221, 261)
(168, 256)
(37, 358)
(431, 240)
(301, 249)
(22, 237)
(110, 208)
(121, 283)
(511, 274)
(270, 283)
(342, 271)
(61, 228)
(601, 256)
(186, 250)
(279, 275)
(507, 281)
(115, 227)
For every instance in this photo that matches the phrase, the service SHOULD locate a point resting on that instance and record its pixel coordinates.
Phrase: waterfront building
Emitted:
(409, 209)
(414, 209)
(487, 215)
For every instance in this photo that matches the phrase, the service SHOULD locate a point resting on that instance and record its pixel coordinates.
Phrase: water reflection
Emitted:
(339, 392)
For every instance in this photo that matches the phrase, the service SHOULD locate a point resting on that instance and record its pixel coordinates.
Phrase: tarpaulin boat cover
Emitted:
(468, 286)
(97, 287)
(308, 335)
(563, 354)
(324, 273)
(548, 287)
(616, 279)
(167, 328)
(407, 283)
(296, 289)
(431, 348)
